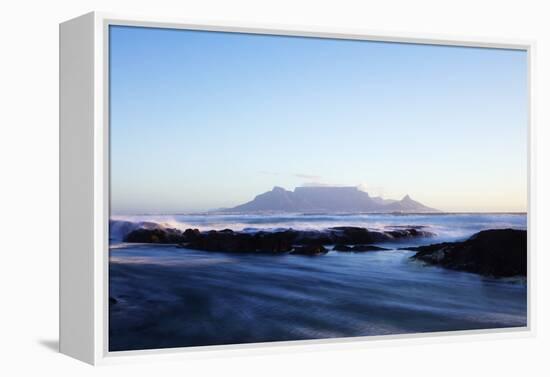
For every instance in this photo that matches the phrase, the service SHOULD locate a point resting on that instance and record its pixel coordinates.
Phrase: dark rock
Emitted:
(357, 248)
(191, 234)
(275, 242)
(261, 242)
(165, 236)
(495, 252)
(268, 242)
(352, 235)
(340, 247)
(409, 232)
(309, 250)
(315, 237)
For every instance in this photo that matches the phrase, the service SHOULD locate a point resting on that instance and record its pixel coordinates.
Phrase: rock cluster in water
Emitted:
(346, 238)
(495, 252)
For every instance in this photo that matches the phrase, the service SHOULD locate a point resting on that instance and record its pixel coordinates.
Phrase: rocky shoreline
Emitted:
(303, 242)
(495, 252)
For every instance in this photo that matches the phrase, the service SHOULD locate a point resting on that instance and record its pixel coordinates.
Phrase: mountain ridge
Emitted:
(347, 199)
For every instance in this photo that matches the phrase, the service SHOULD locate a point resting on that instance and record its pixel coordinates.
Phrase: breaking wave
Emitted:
(447, 227)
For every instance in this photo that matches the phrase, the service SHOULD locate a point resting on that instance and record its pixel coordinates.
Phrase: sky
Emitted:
(203, 120)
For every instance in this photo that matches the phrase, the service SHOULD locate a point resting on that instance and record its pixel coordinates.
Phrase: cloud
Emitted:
(324, 184)
(366, 187)
(309, 177)
(379, 191)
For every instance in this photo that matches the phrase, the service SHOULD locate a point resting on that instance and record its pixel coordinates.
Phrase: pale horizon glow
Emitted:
(204, 120)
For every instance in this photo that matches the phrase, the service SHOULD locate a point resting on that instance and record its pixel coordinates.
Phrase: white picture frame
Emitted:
(84, 188)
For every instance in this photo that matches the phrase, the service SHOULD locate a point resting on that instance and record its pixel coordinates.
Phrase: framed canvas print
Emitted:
(226, 186)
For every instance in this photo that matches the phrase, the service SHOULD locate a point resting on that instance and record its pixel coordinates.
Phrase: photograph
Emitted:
(275, 188)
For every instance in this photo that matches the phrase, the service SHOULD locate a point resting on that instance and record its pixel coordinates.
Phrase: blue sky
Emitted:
(203, 120)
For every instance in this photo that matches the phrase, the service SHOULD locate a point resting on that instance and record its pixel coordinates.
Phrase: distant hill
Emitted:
(326, 199)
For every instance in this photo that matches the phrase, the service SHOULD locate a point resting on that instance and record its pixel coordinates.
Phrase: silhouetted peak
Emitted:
(327, 199)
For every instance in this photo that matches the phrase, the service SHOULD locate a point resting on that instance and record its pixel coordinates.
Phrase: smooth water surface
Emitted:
(173, 297)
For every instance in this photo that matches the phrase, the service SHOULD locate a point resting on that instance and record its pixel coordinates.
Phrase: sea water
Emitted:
(174, 297)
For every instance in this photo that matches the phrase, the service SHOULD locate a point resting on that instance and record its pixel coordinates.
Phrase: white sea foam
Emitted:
(445, 226)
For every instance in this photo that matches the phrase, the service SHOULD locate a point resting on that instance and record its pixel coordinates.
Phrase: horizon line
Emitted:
(396, 213)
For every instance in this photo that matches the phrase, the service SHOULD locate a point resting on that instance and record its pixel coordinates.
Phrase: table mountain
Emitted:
(326, 199)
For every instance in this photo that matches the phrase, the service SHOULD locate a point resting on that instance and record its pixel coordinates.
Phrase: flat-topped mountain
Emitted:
(326, 199)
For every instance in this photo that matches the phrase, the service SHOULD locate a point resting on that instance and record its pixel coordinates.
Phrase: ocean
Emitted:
(166, 296)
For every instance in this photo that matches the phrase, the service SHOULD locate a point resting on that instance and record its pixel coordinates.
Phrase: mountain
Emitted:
(326, 199)
(408, 205)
